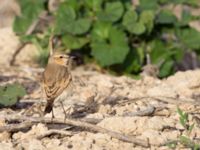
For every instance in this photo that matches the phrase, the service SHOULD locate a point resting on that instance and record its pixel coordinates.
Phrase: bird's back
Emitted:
(56, 79)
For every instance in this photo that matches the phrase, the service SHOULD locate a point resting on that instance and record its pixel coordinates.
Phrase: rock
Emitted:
(2, 122)
(8, 10)
(184, 83)
(35, 131)
(27, 55)
(5, 136)
(8, 45)
(87, 94)
(30, 144)
(53, 144)
(158, 138)
(105, 109)
(126, 125)
(153, 136)
(155, 123)
(6, 145)
(162, 90)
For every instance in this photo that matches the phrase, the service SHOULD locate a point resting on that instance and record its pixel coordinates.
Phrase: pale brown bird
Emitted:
(57, 79)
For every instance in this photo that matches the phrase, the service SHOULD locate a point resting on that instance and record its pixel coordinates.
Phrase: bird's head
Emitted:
(61, 59)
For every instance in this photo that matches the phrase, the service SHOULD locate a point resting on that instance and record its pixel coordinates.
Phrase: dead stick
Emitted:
(77, 123)
(172, 100)
(54, 131)
(15, 128)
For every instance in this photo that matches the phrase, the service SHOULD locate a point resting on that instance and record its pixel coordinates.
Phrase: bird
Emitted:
(56, 80)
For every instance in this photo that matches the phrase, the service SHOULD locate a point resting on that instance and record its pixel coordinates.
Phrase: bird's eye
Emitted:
(61, 57)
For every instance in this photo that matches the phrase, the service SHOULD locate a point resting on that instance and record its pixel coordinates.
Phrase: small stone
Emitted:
(4, 136)
(31, 144)
(35, 131)
(154, 137)
(6, 145)
(126, 125)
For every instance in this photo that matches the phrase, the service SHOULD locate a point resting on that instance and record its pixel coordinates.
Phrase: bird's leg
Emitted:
(63, 110)
(52, 115)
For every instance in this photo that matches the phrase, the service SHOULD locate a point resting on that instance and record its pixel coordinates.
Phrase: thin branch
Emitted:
(76, 123)
(18, 49)
(172, 100)
(16, 127)
(54, 131)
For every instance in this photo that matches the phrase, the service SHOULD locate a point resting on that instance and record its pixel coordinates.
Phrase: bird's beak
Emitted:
(72, 57)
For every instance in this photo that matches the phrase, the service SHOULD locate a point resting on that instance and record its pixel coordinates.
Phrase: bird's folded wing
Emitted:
(53, 90)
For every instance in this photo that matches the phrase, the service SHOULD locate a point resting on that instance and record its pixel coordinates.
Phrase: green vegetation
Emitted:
(10, 94)
(185, 139)
(116, 33)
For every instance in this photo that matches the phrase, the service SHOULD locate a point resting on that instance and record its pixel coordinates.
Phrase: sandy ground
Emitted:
(118, 102)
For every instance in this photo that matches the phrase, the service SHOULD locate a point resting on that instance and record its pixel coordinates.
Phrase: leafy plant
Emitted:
(10, 94)
(184, 139)
(117, 34)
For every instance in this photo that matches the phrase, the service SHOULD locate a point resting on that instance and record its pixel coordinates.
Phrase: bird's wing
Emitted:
(55, 83)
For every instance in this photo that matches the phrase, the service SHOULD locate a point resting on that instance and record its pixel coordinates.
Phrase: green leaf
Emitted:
(67, 22)
(73, 42)
(166, 17)
(183, 122)
(180, 112)
(132, 63)
(172, 144)
(147, 18)
(112, 50)
(95, 5)
(192, 2)
(101, 31)
(65, 12)
(79, 26)
(161, 55)
(158, 51)
(130, 18)
(113, 12)
(189, 37)
(178, 1)
(74, 4)
(167, 68)
(191, 128)
(27, 38)
(183, 117)
(10, 94)
(196, 146)
(148, 5)
(30, 11)
(185, 18)
(186, 141)
(131, 24)
(139, 28)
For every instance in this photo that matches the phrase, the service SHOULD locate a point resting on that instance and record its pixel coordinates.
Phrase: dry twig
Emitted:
(172, 100)
(16, 127)
(76, 123)
(54, 131)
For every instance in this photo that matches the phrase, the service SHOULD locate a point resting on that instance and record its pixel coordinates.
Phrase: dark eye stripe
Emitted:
(63, 56)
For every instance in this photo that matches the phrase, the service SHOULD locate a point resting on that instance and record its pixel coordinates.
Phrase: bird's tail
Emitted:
(49, 107)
